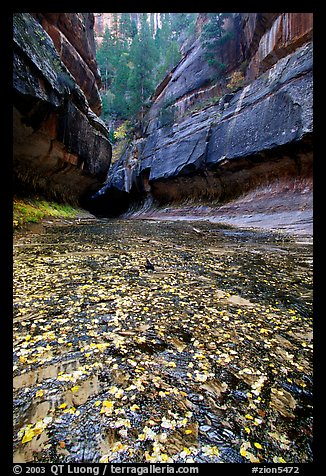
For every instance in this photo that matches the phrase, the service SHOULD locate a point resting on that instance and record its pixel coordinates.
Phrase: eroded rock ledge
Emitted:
(61, 147)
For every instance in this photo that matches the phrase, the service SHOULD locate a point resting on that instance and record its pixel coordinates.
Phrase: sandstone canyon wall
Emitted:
(200, 141)
(61, 147)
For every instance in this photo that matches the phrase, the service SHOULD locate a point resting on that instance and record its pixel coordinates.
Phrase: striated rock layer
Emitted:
(235, 141)
(61, 147)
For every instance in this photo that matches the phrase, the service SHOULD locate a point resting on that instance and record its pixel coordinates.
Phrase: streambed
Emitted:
(206, 358)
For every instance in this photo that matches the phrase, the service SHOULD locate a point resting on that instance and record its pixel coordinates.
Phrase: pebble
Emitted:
(205, 428)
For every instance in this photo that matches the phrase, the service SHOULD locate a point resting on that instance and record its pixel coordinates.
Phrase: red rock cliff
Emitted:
(268, 37)
(61, 147)
(73, 37)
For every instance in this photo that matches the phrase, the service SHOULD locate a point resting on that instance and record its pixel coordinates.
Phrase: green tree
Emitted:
(181, 22)
(132, 62)
(170, 57)
(163, 34)
(213, 37)
(151, 18)
(104, 59)
(144, 56)
(134, 29)
(113, 60)
(167, 41)
(115, 25)
(127, 27)
(119, 105)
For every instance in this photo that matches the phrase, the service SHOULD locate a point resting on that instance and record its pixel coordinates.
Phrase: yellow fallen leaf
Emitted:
(107, 404)
(249, 417)
(107, 407)
(28, 435)
(63, 405)
(39, 393)
(185, 452)
(210, 450)
(75, 388)
(215, 451)
(247, 430)
(258, 445)
(132, 362)
(118, 446)
(31, 432)
(171, 364)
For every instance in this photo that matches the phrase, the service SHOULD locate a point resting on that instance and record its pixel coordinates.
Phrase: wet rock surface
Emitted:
(261, 133)
(206, 358)
(281, 206)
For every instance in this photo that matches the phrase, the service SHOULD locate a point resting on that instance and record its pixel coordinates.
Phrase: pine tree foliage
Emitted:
(133, 60)
(144, 57)
(213, 37)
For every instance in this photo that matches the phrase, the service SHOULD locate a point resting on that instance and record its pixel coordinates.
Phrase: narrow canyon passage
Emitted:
(206, 358)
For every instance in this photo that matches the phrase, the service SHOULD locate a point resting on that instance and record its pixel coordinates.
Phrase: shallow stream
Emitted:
(206, 358)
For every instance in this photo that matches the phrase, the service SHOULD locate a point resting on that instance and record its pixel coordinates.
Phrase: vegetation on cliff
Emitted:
(133, 60)
(32, 210)
(213, 36)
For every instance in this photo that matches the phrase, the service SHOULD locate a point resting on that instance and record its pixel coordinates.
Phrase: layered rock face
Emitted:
(235, 141)
(61, 147)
